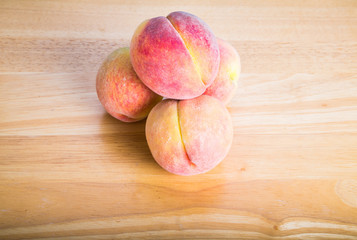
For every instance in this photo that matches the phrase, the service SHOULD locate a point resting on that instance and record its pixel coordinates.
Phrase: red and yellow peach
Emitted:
(120, 90)
(175, 56)
(189, 137)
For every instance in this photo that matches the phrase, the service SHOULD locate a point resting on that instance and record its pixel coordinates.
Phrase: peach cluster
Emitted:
(177, 58)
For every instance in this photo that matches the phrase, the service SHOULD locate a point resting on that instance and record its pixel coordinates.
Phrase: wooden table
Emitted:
(70, 171)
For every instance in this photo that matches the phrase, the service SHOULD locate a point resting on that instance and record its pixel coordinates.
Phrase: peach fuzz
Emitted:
(225, 84)
(175, 56)
(189, 137)
(120, 90)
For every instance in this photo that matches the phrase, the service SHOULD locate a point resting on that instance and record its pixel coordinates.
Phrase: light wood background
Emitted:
(70, 171)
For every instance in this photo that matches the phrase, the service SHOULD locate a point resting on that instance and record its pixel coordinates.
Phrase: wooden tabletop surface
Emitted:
(70, 171)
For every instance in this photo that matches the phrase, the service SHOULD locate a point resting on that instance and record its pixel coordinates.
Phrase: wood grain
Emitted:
(70, 171)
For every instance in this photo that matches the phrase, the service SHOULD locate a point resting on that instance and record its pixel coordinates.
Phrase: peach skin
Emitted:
(175, 56)
(189, 137)
(120, 91)
(225, 84)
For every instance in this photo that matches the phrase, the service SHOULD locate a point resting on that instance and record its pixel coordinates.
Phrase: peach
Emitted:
(120, 90)
(189, 137)
(225, 84)
(175, 56)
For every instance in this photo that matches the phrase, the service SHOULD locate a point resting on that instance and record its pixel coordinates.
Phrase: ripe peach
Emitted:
(175, 56)
(189, 137)
(225, 84)
(120, 90)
